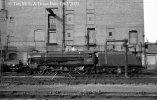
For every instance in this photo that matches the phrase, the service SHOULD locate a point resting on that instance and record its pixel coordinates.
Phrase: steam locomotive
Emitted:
(83, 62)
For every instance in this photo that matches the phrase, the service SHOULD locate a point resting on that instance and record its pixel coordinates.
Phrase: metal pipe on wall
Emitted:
(63, 44)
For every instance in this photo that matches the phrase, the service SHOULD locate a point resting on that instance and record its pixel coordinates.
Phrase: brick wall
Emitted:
(120, 15)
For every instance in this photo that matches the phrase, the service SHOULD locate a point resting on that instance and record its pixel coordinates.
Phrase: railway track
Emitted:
(75, 79)
(7, 81)
(70, 80)
(76, 95)
(145, 74)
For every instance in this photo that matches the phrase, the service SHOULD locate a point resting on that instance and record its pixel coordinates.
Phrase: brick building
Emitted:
(87, 22)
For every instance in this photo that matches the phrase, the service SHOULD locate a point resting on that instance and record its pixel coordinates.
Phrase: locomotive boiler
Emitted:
(78, 62)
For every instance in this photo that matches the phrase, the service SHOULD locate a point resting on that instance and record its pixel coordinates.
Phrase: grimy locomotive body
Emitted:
(84, 62)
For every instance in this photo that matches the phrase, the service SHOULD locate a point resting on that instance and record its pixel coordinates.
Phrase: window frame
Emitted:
(71, 31)
(67, 19)
(40, 40)
(11, 19)
(49, 15)
(131, 32)
(90, 4)
(90, 22)
(51, 30)
(110, 34)
(88, 36)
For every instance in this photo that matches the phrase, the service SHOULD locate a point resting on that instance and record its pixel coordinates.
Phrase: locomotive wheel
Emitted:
(41, 70)
(50, 71)
(26, 70)
(119, 70)
(108, 71)
(66, 73)
(81, 70)
(67, 70)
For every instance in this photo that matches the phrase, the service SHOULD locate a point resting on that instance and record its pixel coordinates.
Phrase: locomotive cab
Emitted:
(89, 58)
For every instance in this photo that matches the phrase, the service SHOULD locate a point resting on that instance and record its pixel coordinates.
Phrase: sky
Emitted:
(150, 20)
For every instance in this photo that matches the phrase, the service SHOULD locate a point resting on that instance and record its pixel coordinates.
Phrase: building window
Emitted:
(51, 22)
(70, 19)
(90, 4)
(151, 61)
(52, 30)
(39, 35)
(133, 37)
(69, 43)
(69, 35)
(91, 36)
(90, 19)
(11, 19)
(110, 33)
(52, 37)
